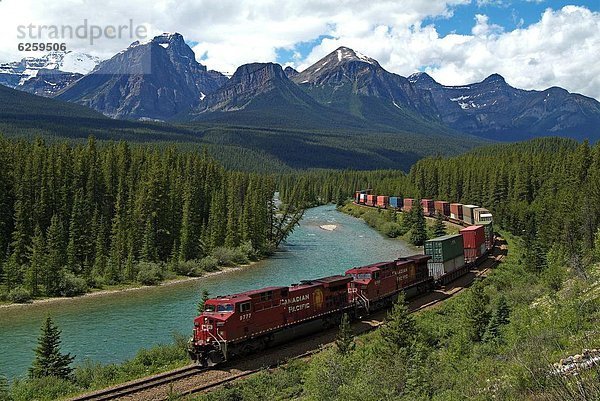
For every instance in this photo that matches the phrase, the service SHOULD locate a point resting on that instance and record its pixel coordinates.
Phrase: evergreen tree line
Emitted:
(545, 190)
(82, 215)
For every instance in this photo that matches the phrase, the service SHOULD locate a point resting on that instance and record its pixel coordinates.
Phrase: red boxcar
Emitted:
(371, 200)
(473, 236)
(456, 211)
(239, 323)
(383, 201)
(442, 207)
(428, 207)
(408, 203)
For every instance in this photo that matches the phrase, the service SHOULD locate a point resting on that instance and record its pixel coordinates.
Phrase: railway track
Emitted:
(129, 388)
(193, 379)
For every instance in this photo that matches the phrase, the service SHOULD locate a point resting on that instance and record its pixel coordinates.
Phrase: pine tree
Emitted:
(418, 234)
(399, 330)
(500, 317)
(345, 338)
(149, 250)
(37, 263)
(475, 311)
(205, 297)
(232, 235)
(49, 361)
(100, 252)
(439, 229)
(78, 249)
(55, 258)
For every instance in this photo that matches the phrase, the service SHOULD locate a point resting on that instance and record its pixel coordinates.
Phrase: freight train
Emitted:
(247, 322)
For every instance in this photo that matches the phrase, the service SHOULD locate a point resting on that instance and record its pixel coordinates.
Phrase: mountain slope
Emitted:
(154, 80)
(261, 94)
(493, 109)
(351, 82)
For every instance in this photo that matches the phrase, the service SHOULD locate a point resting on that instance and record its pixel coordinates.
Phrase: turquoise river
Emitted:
(114, 327)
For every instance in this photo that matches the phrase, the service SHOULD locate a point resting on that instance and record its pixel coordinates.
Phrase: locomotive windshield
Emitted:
(209, 308)
(361, 276)
(225, 308)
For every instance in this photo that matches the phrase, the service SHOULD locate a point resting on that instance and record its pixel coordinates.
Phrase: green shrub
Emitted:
(225, 256)
(149, 273)
(392, 230)
(186, 268)
(72, 286)
(19, 295)
(208, 264)
(42, 389)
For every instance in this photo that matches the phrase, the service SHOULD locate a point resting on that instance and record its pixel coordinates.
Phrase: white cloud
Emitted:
(558, 50)
(561, 49)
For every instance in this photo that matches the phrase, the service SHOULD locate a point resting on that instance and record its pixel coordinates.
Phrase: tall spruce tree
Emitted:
(55, 259)
(49, 361)
(499, 318)
(344, 340)
(439, 229)
(37, 263)
(418, 234)
(399, 330)
(476, 312)
(203, 298)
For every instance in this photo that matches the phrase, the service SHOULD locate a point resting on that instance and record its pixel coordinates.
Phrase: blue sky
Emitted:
(508, 14)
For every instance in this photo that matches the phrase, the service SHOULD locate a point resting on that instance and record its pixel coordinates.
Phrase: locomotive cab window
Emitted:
(209, 308)
(266, 296)
(285, 292)
(225, 308)
(245, 307)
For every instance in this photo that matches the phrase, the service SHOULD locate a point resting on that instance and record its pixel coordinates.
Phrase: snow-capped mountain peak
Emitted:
(47, 74)
(345, 54)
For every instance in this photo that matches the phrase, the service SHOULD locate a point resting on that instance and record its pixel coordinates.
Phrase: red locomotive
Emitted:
(253, 320)
(243, 323)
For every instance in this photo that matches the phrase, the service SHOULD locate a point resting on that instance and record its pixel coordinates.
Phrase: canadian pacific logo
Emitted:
(318, 299)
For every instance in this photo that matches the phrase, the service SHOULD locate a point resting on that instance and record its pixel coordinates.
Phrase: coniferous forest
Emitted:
(80, 216)
(508, 337)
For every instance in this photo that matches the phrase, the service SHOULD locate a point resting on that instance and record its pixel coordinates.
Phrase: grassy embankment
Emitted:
(391, 223)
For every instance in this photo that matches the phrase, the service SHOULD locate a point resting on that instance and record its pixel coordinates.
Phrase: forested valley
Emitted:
(74, 217)
(144, 208)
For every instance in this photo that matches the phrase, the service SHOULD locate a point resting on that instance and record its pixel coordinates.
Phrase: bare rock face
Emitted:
(494, 109)
(154, 80)
(247, 83)
(290, 72)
